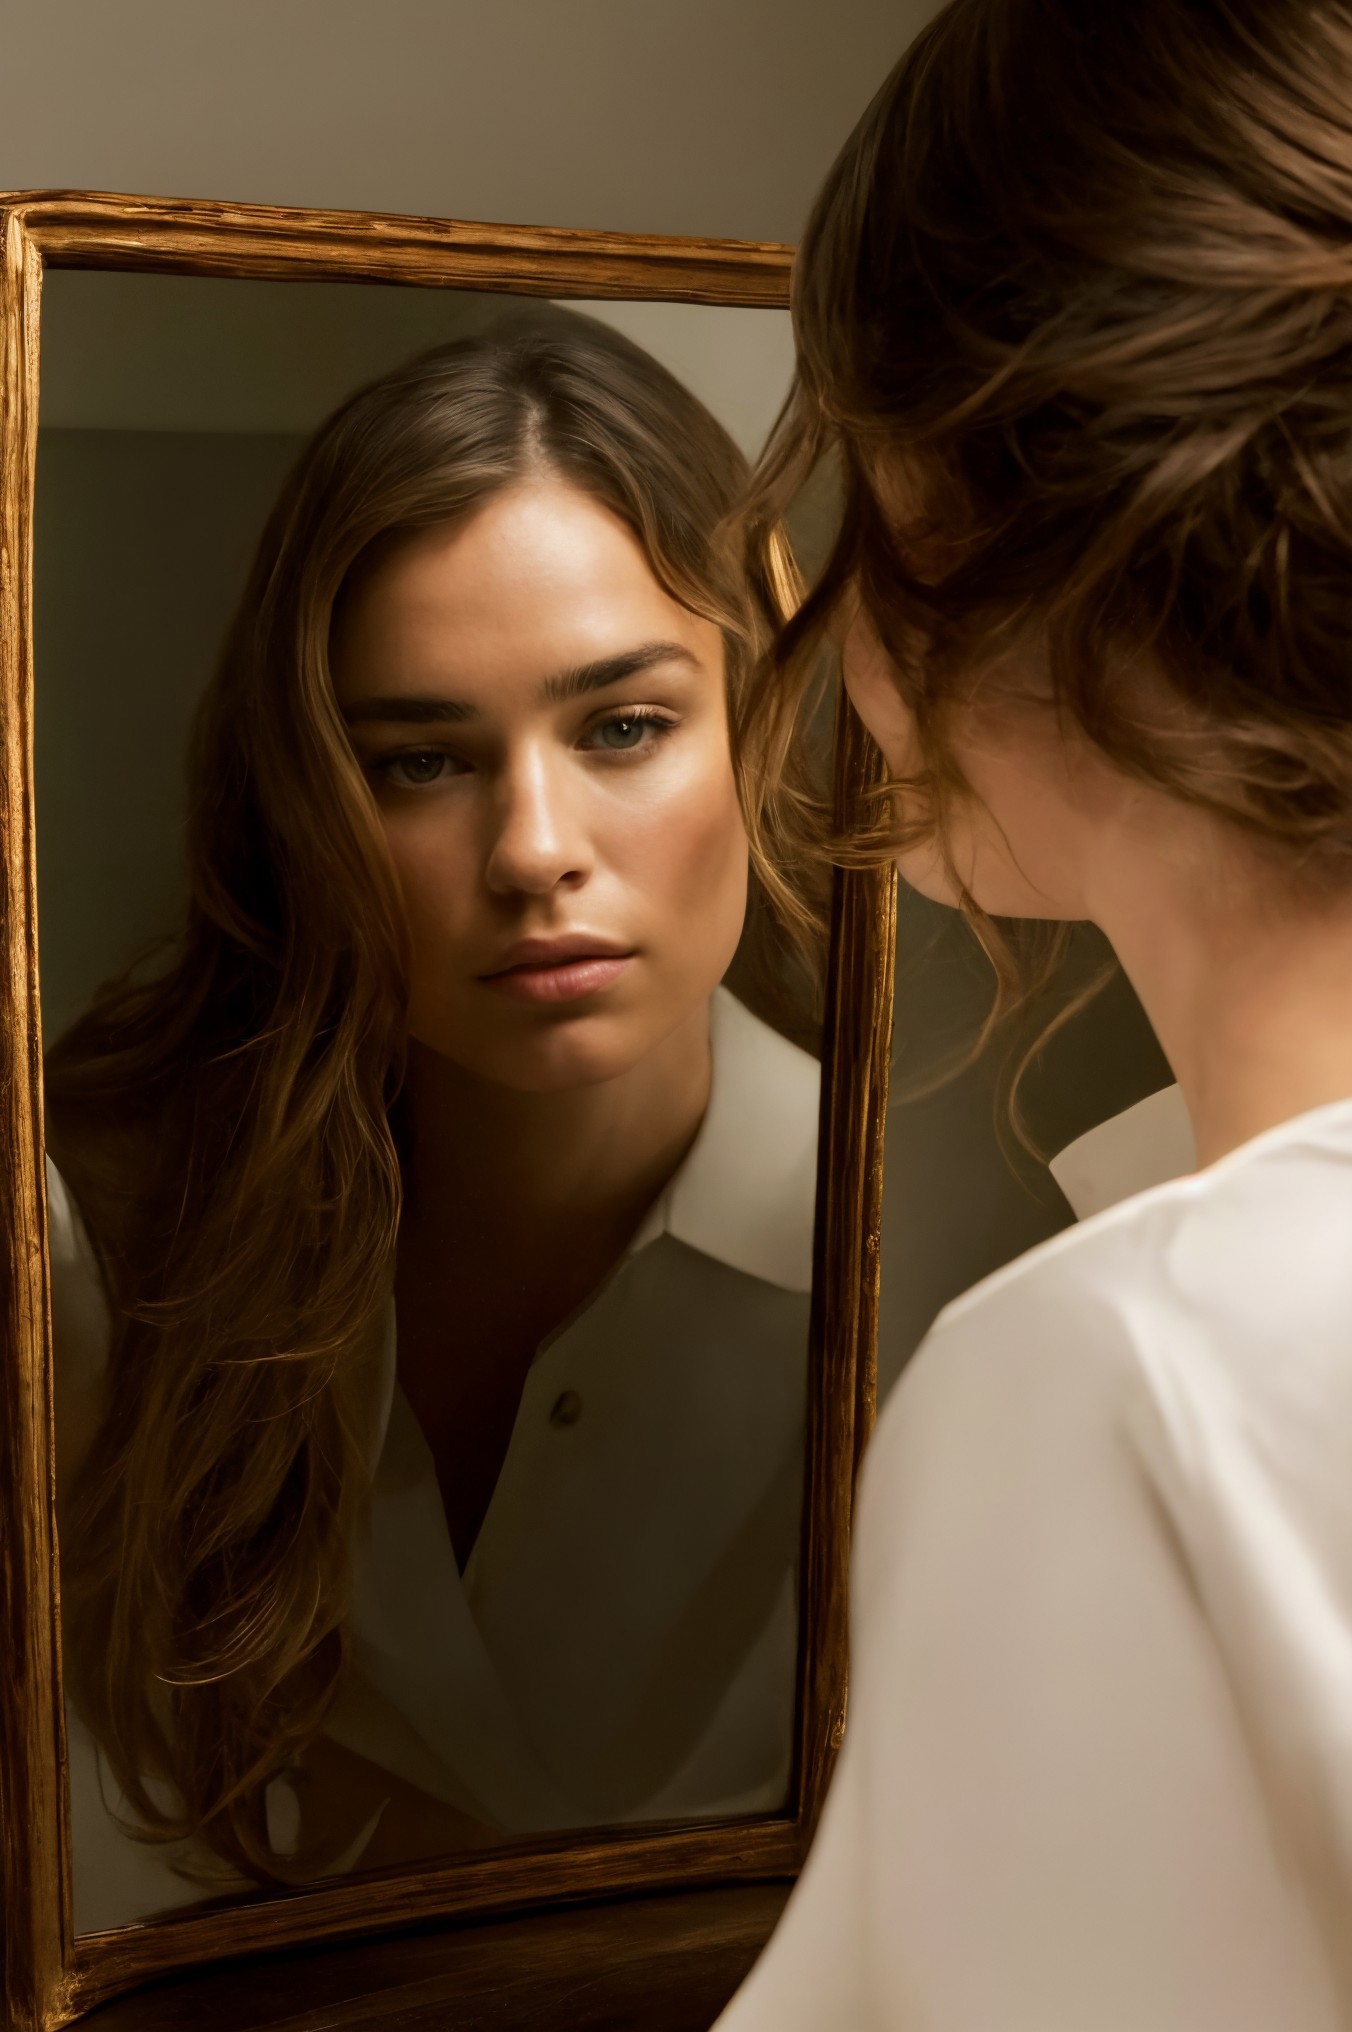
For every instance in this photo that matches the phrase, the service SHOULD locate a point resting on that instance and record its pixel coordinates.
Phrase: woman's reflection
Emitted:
(444, 1039)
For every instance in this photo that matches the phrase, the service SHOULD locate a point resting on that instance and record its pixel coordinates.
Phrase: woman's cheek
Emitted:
(923, 869)
(870, 681)
(430, 871)
(697, 865)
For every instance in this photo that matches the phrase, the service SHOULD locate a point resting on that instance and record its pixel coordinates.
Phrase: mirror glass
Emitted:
(432, 1090)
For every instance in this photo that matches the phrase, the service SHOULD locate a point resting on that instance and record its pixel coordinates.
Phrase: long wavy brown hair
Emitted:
(1082, 279)
(225, 1124)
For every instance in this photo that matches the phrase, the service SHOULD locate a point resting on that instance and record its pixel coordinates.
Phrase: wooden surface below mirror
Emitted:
(657, 1964)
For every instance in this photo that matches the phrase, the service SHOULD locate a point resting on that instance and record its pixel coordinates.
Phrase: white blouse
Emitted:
(622, 1645)
(1097, 1774)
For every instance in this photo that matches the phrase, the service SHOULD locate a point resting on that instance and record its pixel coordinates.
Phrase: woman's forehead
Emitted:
(536, 589)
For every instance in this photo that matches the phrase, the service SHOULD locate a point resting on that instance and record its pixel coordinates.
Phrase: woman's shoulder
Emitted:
(81, 1324)
(1254, 1240)
(1216, 1304)
(78, 1297)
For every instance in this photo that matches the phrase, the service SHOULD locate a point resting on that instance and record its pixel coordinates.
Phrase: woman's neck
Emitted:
(586, 1162)
(1247, 980)
(516, 1208)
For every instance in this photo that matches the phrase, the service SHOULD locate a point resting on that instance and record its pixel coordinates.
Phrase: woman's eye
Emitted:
(623, 733)
(416, 767)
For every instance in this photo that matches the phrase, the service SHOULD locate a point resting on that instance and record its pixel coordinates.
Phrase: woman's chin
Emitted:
(923, 870)
(563, 1075)
(566, 1061)
(994, 894)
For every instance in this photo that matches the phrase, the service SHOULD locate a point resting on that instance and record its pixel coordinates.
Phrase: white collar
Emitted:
(1143, 1146)
(746, 1192)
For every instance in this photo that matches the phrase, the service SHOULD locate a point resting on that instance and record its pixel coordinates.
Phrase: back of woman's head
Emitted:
(1078, 293)
(225, 1122)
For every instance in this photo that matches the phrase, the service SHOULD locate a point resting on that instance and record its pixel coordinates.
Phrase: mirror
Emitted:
(572, 1602)
(433, 1075)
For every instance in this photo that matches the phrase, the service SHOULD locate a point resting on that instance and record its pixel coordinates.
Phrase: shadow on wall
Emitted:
(137, 568)
(191, 353)
(961, 1197)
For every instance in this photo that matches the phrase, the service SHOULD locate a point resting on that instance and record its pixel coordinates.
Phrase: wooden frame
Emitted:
(50, 1977)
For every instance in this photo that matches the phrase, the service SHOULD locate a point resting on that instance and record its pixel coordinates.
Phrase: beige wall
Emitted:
(663, 116)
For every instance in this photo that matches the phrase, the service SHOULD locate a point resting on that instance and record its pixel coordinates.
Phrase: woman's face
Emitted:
(1042, 805)
(545, 732)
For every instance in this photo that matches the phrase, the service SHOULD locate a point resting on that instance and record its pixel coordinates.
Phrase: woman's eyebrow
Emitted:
(421, 709)
(408, 708)
(609, 670)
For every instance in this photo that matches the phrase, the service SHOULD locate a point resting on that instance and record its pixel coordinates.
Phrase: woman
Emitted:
(444, 1039)
(1076, 308)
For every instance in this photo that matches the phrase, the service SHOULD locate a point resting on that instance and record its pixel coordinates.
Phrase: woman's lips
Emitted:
(564, 980)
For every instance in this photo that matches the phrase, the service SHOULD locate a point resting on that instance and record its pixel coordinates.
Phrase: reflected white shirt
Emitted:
(1097, 1774)
(622, 1644)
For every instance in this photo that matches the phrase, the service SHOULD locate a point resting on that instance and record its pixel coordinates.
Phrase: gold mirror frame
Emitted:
(50, 1976)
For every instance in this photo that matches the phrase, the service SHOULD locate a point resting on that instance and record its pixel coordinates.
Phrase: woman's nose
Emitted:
(537, 840)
